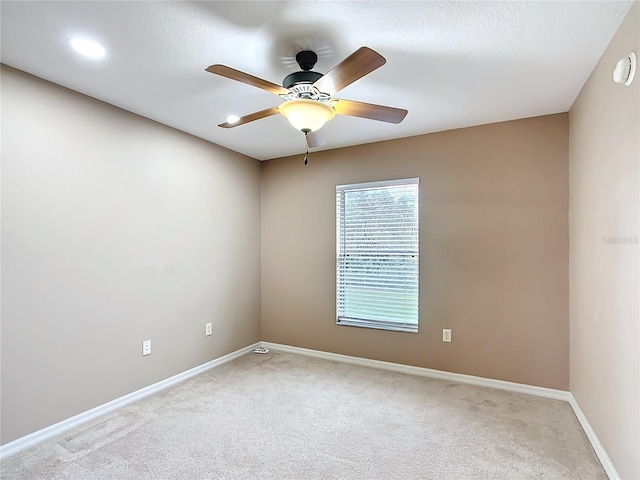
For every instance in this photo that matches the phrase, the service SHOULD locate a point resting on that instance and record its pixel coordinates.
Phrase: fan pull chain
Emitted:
(306, 153)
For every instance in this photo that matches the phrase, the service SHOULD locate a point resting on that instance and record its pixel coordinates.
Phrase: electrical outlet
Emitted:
(446, 335)
(146, 347)
(207, 329)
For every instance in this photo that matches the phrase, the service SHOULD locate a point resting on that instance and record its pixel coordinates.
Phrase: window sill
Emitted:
(378, 325)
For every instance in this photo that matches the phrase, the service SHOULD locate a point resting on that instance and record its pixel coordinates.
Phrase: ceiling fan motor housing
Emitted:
(307, 60)
(300, 77)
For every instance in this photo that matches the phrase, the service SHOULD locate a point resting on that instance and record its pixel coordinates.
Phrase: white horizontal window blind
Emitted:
(377, 255)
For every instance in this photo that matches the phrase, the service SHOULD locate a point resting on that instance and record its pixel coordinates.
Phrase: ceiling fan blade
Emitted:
(370, 110)
(251, 117)
(239, 76)
(316, 139)
(355, 66)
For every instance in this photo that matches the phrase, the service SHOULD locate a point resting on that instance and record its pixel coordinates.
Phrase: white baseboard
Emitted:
(606, 462)
(61, 427)
(427, 372)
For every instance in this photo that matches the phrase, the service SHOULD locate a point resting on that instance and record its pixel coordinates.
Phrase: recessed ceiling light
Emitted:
(88, 48)
(233, 119)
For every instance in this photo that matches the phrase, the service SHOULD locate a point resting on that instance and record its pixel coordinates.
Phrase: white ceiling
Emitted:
(451, 64)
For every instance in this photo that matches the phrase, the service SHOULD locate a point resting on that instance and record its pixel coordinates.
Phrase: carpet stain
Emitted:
(87, 440)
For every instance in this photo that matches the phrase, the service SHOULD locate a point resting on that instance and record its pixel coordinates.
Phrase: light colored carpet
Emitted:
(284, 416)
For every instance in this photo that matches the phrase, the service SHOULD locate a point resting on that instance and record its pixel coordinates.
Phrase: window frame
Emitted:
(380, 323)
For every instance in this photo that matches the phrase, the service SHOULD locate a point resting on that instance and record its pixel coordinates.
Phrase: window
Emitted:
(377, 255)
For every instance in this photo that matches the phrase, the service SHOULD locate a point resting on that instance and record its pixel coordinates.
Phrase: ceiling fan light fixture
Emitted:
(306, 115)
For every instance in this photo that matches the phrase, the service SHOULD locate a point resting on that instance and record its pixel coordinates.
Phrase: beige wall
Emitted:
(604, 211)
(115, 229)
(493, 250)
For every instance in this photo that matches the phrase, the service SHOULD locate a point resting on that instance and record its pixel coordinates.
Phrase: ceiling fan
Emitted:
(308, 95)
